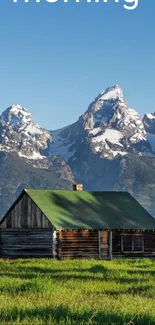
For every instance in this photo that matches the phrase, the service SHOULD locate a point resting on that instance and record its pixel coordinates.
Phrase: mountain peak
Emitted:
(16, 107)
(112, 93)
(110, 101)
(21, 134)
(150, 115)
(149, 122)
(15, 116)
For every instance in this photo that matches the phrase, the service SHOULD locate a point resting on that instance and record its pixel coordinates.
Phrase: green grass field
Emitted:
(44, 291)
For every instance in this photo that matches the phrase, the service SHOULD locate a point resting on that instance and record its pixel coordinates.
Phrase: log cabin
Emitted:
(76, 224)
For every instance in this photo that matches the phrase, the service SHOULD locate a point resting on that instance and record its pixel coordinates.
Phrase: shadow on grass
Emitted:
(64, 277)
(96, 272)
(142, 291)
(97, 268)
(31, 272)
(141, 272)
(64, 316)
(18, 275)
(20, 288)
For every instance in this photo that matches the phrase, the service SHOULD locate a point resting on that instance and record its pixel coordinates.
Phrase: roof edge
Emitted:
(141, 205)
(13, 204)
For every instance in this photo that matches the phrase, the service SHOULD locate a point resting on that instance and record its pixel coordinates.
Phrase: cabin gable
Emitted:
(25, 231)
(25, 214)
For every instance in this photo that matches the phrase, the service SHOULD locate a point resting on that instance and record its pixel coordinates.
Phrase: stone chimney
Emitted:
(77, 187)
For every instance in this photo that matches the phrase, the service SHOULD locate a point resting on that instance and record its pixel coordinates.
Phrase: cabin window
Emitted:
(127, 243)
(132, 243)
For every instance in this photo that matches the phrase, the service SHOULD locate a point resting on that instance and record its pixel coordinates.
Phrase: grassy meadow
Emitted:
(44, 291)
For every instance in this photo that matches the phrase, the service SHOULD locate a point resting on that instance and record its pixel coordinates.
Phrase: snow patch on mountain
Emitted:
(35, 155)
(111, 135)
(150, 116)
(108, 142)
(60, 145)
(137, 137)
(132, 126)
(112, 93)
(95, 131)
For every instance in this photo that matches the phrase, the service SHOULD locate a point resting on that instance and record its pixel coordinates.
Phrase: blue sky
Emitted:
(55, 58)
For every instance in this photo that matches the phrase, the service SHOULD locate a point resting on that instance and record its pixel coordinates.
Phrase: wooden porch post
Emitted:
(110, 245)
(55, 243)
(99, 244)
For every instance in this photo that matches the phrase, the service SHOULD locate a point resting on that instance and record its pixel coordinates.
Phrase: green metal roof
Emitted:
(92, 210)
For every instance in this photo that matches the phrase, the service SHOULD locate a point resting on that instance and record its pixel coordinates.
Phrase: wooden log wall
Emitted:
(104, 244)
(149, 244)
(26, 243)
(83, 244)
(25, 214)
(78, 244)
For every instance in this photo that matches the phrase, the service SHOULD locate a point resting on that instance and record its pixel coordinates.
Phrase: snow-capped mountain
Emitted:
(114, 129)
(109, 127)
(110, 147)
(18, 132)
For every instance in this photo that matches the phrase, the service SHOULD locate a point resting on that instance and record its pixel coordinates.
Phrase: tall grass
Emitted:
(45, 291)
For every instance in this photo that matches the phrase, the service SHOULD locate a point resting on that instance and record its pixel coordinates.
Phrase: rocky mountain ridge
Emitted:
(105, 149)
